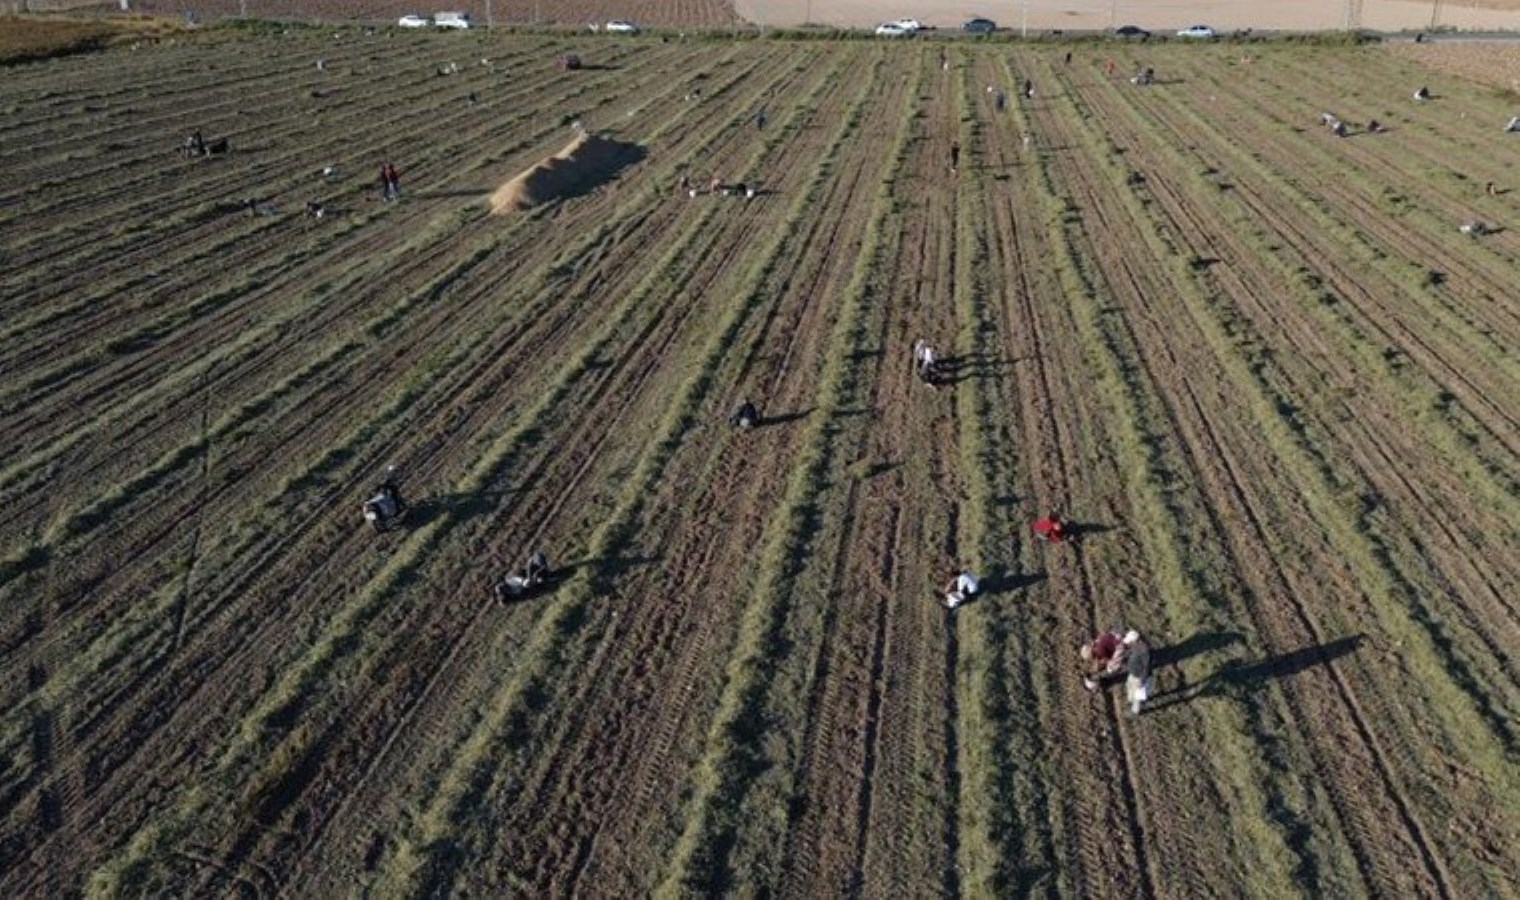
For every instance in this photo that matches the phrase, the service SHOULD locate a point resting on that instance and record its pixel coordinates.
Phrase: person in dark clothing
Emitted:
(955, 155)
(537, 569)
(1028, 89)
(1137, 666)
(746, 416)
(999, 100)
(1068, 57)
(390, 182)
(760, 119)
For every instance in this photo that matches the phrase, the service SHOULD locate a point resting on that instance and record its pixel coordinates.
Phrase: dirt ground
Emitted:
(1088, 15)
(1494, 63)
(1257, 366)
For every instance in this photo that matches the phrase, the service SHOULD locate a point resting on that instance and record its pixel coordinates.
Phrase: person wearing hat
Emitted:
(1137, 666)
(1103, 655)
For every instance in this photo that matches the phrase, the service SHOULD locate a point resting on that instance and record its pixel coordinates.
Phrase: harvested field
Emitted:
(1257, 363)
(1494, 63)
(650, 13)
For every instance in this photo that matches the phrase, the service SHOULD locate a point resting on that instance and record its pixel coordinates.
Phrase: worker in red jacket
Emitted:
(1103, 655)
(1051, 528)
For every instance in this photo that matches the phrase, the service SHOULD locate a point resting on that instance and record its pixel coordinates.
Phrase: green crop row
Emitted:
(428, 856)
(1383, 584)
(736, 742)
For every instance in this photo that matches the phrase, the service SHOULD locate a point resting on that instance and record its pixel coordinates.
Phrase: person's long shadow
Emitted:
(1197, 645)
(783, 418)
(1077, 531)
(955, 369)
(463, 506)
(997, 583)
(609, 566)
(1241, 677)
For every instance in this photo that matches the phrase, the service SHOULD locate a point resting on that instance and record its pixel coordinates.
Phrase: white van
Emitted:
(452, 20)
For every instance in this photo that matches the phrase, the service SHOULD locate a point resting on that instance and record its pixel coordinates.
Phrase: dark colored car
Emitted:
(979, 26)
(1131, 31)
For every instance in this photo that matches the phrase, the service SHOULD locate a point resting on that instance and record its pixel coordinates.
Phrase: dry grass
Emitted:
(1495, 63)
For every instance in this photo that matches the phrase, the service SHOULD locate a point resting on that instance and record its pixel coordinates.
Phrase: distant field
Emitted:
(33, 38)
(1496, 63)
(651, 13)
(1258, 363)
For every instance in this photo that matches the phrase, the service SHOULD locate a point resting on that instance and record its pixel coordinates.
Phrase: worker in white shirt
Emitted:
(962, 585)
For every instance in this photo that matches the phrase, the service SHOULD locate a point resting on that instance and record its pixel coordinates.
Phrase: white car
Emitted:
(1196, 31)
(891, 29)
(910, 25)
(414, 22)
(619, 26)
(452, 20)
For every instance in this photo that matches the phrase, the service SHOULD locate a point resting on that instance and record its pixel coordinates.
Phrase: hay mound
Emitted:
(585, 162)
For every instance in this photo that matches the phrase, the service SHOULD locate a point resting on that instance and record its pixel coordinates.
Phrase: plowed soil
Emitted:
(1257, 365)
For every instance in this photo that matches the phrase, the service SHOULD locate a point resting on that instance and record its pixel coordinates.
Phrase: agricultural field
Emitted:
(1259, 365)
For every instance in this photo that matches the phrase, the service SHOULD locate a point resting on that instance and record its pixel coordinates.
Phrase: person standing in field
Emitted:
(760, 119)
(999, 100)
(955, 155)
(1028, 89)
(1137, 665)
(392, 181)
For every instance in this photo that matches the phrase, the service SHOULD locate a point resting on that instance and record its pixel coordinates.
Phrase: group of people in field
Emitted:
(1110, 656)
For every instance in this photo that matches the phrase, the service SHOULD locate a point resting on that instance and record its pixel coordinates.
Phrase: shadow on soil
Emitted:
(955, 369)
(461, 506)
(783, 418)
(1241, 677)
(606, 567)
(997, 583)
(1197, 645)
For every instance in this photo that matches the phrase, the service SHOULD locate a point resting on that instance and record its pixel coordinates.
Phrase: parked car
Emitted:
(1196, 31)
(622, 26)
(891, 29)
(911, 24)
(979, 26)
(413, 21)
(1131, 31)
(452, 20)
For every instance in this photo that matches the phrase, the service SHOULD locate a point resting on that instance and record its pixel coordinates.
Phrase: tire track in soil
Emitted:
(808, 289)
(1367, 430)
(1430, 212)
(551, 511)
(263, 176)
(1103, 864)
(1285, 588)
(137, 366)
(461, 681)
(1384, 317)
(1092, 196)
(418, 102)
(730, 550)
(852, 754)
(435, 151)
(140, 550)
